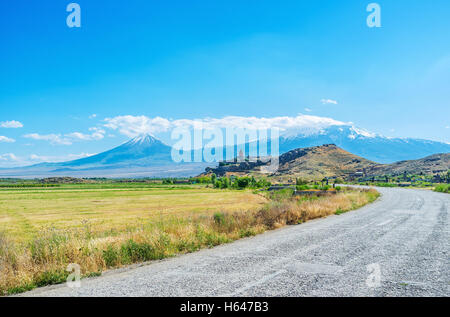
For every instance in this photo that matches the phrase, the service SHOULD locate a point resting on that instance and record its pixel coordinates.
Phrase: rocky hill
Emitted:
(430, 165)
(322, 161)
(331, 161)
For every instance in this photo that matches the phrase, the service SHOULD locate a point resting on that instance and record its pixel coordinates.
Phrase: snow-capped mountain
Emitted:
(145, 155)
(142, 156)
(141, 150)
(364, 143)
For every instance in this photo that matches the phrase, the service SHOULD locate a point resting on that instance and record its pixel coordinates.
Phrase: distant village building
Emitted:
(241, 156)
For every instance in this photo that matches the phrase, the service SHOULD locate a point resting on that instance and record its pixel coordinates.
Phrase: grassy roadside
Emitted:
(43, 259)
(442, 188)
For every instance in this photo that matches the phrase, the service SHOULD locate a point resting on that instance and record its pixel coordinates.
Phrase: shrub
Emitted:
(339, 211)
(51, 278)
(219, 218)
(132, 252)
(443, 188)
(281, 195)
(302, 187)
(243, 182)
(20, 289)
(262, 183)
(111, 256)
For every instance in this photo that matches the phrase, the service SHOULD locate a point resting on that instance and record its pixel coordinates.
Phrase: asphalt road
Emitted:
(397, 246)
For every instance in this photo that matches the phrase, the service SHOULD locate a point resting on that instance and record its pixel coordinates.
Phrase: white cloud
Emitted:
(447, 127)
(97, 134)
(79, 136)
(132, 126)
(45, 158)
(6, 139)
(10, 160)
(8, 157)
(69, 138)
(92, 116)
(308, 109)
(52, 138)
(328, 101)
(11, 124)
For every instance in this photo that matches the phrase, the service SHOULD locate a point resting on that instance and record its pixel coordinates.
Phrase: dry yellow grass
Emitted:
(288, 212)
(112, 238)
(23, 213)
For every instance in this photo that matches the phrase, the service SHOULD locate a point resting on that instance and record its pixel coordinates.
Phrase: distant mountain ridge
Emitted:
(331, 161)
(360, 142)
(146, 156)
(433, 164)
(142, 156)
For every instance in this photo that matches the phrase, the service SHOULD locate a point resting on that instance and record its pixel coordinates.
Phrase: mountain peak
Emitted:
(144, 139)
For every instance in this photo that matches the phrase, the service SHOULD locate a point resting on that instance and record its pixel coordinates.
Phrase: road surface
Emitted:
(397, 246)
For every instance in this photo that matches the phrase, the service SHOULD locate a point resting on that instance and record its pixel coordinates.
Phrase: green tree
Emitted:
(243, 182)
(226, 182)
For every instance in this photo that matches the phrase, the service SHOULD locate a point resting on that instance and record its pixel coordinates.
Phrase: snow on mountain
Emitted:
(145, 155)
(141, 150)
(369, 145)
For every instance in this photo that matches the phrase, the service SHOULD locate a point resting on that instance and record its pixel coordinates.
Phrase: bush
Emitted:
(51, 278)
(262, 183)
(443, 188)
(281, 195)
(20, 289)
(243, 182)
(279, 213)
(301, 182)
(134, 252)
(219, 218)
(111, 256)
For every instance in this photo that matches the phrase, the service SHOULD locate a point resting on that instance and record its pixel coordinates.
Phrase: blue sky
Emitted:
(198, 59)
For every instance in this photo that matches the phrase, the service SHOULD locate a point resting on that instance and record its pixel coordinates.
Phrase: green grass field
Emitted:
(110, 207)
